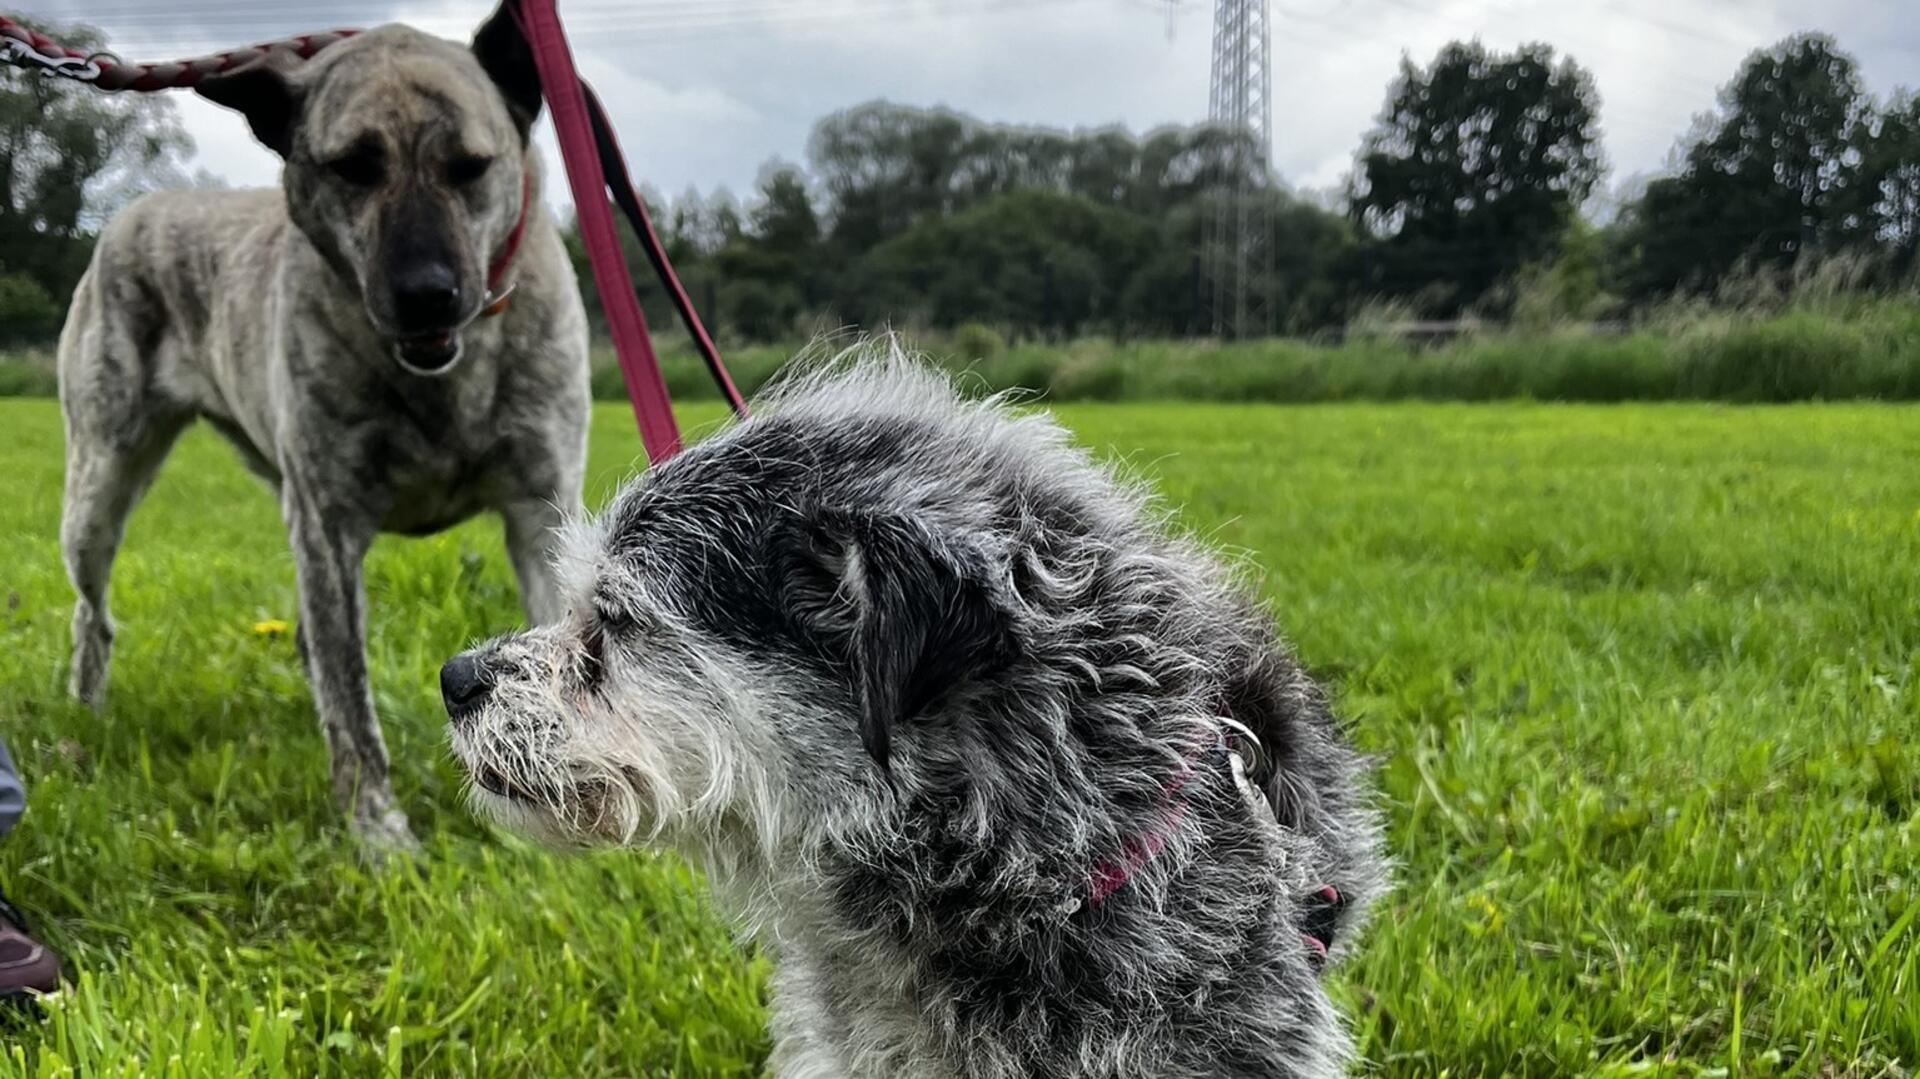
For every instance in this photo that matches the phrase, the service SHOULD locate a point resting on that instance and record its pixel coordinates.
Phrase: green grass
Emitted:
(1643, 680)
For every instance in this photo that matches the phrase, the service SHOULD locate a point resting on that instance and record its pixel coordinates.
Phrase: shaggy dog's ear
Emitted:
(507, 59)
(917, 615)
(263, 91)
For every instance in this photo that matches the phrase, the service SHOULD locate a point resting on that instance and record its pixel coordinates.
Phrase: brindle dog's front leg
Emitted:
(533, 536)
(330, 540)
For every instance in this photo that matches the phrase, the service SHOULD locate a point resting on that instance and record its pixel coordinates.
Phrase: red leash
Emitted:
(593, 164)
(540, 25)
(625, 197)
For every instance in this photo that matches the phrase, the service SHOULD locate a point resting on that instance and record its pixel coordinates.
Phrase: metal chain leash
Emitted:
(35, 51)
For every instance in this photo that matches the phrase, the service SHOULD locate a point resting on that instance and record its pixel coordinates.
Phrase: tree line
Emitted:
(1467, 196)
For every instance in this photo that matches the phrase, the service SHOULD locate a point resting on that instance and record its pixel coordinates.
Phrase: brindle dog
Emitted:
(341, 332)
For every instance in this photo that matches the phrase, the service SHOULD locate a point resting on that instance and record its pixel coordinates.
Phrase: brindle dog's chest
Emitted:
(423, 506)
(427, 459)
(432, 486)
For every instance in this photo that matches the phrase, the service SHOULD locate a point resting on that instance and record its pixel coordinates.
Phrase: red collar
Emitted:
(498, 297)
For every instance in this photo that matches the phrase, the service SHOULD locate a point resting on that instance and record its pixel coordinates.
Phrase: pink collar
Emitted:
(1111, 875)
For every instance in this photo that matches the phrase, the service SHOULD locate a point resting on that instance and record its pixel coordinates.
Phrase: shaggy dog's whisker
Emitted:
(1008, 777)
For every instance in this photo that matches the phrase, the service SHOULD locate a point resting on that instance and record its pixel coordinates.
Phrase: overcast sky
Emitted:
(704, 92)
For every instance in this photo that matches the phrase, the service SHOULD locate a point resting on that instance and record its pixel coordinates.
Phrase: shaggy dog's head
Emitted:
(752, 625)
(878, 621)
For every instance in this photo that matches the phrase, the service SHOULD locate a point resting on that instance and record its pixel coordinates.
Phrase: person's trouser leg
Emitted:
(13, 796)
(26, 966)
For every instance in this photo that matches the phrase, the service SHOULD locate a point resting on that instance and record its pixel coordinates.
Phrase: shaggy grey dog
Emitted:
(393, 339)
(1009, 779)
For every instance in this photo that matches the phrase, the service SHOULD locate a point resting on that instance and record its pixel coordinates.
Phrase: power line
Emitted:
(614, 23)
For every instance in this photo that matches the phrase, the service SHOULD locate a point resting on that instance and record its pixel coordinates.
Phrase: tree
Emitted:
(1475, 169)
(1035, 261)
(1889, 217)
(27, 313)
(1776, 174)
(770, 267)
(882, 166)
(784, 222)
(1306, 282)
(69, 157)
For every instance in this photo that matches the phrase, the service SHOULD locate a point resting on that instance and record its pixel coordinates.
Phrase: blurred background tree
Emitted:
(1479, 164)
(69, 158)
(1471, 195)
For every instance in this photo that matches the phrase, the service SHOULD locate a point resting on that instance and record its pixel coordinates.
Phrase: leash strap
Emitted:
(629, 202)
(540, 24)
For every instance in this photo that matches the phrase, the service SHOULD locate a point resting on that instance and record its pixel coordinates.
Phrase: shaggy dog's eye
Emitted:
(603, 622)
(467, 168)
(593, 654)
(363, 166)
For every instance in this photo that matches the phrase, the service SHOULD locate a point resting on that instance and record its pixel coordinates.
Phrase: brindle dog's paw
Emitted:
(385, 838)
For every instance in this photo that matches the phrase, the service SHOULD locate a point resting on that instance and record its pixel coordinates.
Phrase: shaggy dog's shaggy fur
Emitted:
(1009, 779)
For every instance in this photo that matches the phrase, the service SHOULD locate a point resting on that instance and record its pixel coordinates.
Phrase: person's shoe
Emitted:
(27, 967)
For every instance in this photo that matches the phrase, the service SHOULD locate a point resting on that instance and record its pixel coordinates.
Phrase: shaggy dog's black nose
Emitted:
(464, 684)
(426, 297)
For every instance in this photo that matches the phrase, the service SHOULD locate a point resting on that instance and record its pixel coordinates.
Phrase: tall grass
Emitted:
(1859, 348)
(1846, 347)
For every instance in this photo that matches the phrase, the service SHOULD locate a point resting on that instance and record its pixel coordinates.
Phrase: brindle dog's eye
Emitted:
(467, 169)
(362, 166)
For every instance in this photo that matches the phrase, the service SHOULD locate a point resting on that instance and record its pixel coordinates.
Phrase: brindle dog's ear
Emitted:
(924, 617)
(263, 91)
(508, 60)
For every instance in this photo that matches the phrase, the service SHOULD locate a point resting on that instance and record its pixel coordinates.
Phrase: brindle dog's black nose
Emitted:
(464, 684)
(426, 297)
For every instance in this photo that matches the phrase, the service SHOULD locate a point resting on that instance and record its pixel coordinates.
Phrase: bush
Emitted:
(27, 374)
(28, 315)
(977, 341)
(1796, 357)
(759, 311)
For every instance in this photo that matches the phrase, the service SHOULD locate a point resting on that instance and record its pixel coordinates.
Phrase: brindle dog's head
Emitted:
(405, 163)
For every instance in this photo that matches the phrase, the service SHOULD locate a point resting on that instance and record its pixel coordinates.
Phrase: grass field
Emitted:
(1644, 680)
